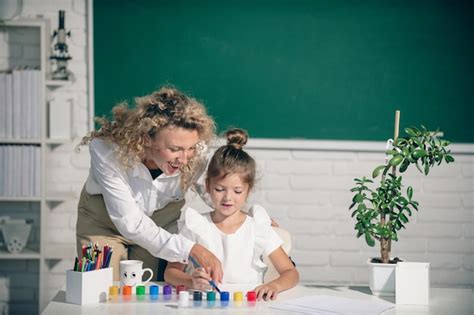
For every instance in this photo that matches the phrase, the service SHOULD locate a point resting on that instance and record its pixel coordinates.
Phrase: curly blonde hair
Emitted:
(166, 107)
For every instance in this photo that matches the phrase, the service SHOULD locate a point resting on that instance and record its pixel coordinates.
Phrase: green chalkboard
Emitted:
(292, 68)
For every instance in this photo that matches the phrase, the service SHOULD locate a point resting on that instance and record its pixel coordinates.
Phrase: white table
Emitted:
(443, 301)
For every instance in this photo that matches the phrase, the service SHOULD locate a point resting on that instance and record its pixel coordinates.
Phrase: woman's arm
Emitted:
(289, 276)
(125, 213)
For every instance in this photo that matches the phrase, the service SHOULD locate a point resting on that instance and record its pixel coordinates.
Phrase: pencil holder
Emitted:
(88, 287)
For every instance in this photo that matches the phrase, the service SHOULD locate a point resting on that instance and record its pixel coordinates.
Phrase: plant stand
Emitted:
(412, 283)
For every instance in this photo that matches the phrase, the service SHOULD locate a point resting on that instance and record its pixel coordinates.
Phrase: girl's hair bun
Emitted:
(236, 137)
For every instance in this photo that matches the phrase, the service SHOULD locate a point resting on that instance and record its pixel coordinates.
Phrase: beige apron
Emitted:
(94, 226)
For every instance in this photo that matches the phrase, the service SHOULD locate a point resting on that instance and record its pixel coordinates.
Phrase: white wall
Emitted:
(305, 189)
(307, 192)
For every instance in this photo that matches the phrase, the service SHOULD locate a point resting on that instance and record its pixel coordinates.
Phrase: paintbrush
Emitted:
(197, 265)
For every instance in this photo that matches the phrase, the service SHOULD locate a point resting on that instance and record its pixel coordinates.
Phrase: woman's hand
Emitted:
(266, 292)
(201, 279)
(208, 261)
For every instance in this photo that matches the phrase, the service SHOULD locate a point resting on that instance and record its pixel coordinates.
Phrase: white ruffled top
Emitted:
(241, 252)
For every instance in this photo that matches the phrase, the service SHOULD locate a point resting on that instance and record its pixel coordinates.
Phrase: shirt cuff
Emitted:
(187, 246)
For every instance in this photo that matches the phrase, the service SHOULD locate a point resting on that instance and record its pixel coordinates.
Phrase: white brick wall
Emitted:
(313, 206)
(306, 191)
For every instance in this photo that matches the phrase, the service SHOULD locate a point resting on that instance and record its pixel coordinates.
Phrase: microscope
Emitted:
(60, 54)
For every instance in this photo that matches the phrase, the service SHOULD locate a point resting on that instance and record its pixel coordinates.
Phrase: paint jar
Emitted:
(224, 298)
(211, 298)
(197, 298)
(238, 298)
(127, 293)
(183, 300)
(113, 290)
(251, 298)
(140, 292)
(114, 293)
(167, 291)
(154, 292)
(179, 288)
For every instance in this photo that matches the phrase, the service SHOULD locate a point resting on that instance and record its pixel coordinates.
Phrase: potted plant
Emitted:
(383, 210)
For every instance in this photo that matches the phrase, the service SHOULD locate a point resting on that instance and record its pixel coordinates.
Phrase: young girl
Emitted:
(238, 239)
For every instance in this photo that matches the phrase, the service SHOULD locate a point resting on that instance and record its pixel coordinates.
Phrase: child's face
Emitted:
(228, 194)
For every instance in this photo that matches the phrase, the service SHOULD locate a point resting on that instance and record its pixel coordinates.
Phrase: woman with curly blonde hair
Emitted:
(142, 163)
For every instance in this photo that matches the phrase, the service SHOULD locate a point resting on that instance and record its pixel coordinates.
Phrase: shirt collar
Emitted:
(140, 170)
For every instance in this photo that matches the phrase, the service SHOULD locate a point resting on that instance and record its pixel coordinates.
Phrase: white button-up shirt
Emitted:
(131, 196)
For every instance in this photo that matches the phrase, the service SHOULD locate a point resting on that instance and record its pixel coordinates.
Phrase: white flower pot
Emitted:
(382, 279)
(16, 234)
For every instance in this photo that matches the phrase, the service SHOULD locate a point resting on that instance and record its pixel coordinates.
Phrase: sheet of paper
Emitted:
(333, 305)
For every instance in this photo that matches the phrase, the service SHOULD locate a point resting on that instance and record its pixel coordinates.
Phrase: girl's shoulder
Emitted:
(259, 215)
(266, 239)
(194, 221)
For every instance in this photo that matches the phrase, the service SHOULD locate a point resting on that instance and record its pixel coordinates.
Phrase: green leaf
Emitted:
(400, 142)
(397, 159)
(358, 198)
(409, 192)
(418, 153)
(377, 170)
(403, 218)
(418, 142)
(408, 210)
(427, 168)
(402, 201)
(410, 132)
(369, 240)
(404, 165)
(448, 158)
(391, 152)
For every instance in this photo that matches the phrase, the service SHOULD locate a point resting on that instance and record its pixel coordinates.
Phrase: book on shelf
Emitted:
(17, 104)
(20, 104)
(20, 173)
(8, 106)
(3, 108)
(2, 171)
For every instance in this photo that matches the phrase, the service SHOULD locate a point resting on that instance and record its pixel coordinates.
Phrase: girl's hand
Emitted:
(266, 292)
(208, 261)
(201, 279)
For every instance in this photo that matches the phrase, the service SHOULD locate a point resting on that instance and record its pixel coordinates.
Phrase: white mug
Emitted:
(131, 273)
